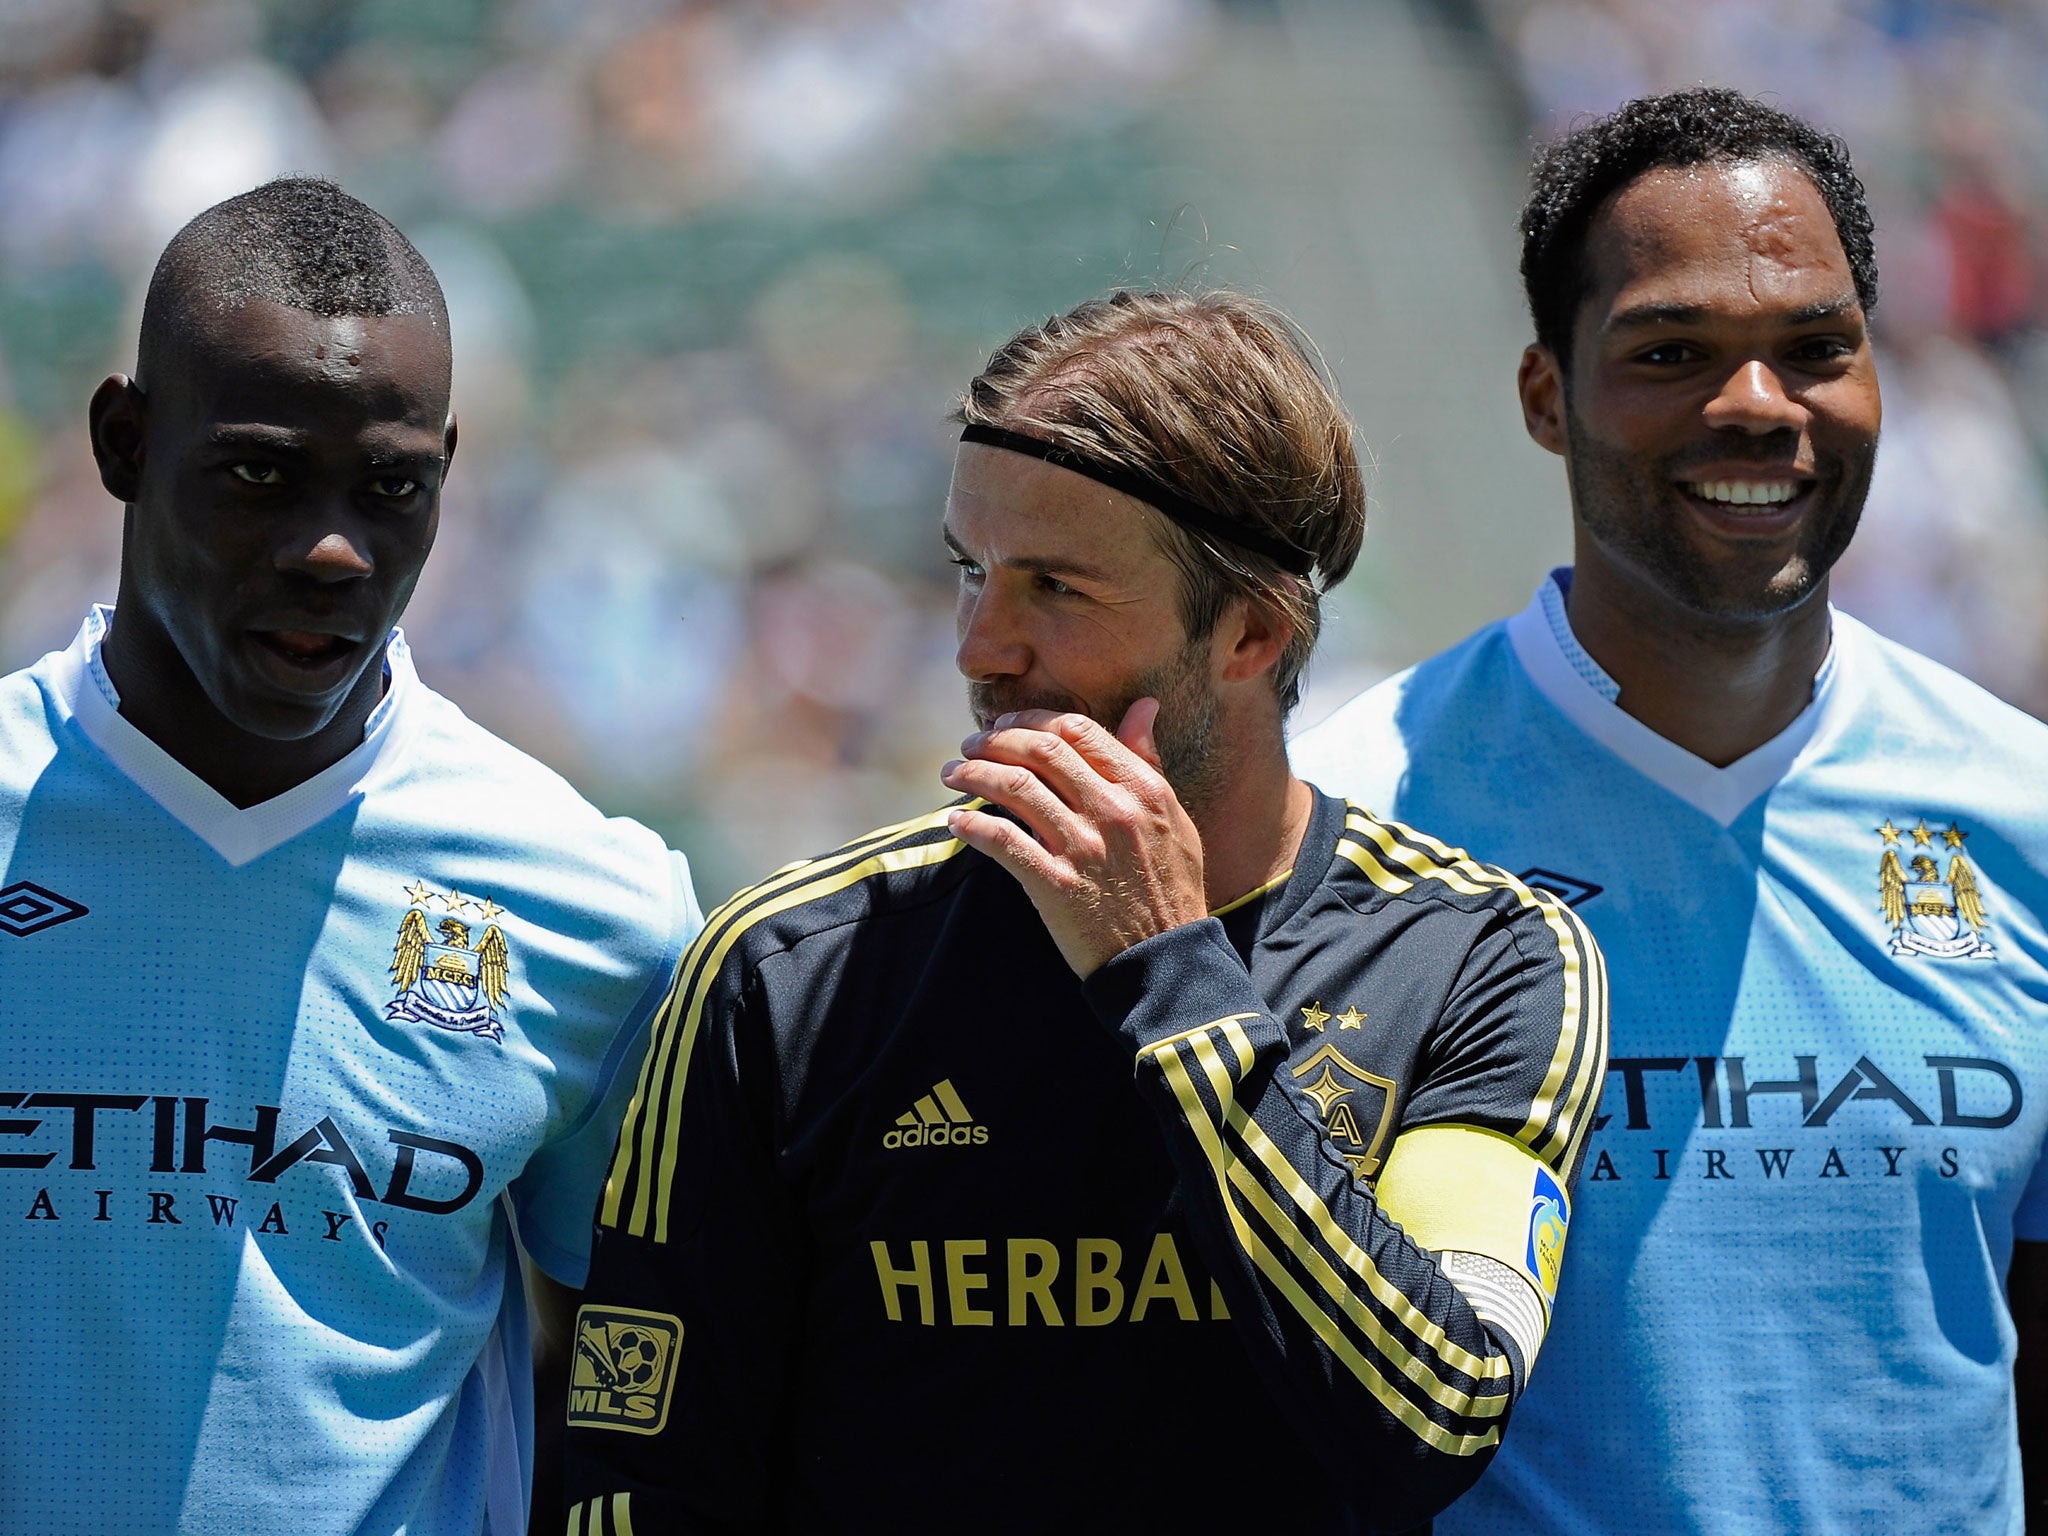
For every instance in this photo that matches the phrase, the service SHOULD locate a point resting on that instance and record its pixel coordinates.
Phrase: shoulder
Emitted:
(1380, 862)
(455, 775)
(1363, 748)
(891, 870)
(1916, 700)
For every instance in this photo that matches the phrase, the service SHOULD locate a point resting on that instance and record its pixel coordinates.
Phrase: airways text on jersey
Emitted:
(147, 1156)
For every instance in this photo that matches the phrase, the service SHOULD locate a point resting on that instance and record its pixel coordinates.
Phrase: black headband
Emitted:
(1288, 556)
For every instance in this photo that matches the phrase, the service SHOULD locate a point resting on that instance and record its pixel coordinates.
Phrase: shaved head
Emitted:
(297, 241)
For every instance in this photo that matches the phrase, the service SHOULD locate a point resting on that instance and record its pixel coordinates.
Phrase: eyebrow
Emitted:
(1036, 565)
(273, 439)
(1643, 315)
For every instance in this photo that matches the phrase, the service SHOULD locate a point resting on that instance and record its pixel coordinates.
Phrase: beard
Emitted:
(1624, 503)
(1184, 730)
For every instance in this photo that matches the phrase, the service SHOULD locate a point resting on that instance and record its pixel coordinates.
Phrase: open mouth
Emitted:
(1751, 504)
(304, 648)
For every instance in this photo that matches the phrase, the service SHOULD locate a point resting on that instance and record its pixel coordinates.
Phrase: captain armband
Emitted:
(1494, 1213)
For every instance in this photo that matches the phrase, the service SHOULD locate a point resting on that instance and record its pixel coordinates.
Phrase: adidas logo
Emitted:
(938, 1119)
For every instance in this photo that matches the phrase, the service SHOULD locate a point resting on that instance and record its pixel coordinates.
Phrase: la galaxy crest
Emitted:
(451, 965)
(1931, 911)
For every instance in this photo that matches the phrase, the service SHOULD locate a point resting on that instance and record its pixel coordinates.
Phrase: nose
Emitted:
(1752, 400)
(328, 557)
(992, 641)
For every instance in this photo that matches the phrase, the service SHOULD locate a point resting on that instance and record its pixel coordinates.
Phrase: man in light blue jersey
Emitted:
(317, 995)
(1817, 862)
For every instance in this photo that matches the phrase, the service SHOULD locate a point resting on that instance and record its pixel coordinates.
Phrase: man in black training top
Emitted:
(1148, 1142)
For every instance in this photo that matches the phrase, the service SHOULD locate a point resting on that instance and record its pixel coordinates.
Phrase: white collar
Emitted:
(1566, 678)
(87, 695)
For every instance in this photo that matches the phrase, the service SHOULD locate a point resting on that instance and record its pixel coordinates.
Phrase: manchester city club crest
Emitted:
(1931, 912)
(451, 966)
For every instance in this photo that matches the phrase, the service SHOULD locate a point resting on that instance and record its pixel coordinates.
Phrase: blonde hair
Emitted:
(1219, 398)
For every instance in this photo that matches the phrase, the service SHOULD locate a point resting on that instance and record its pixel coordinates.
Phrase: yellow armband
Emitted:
(1457, 1188)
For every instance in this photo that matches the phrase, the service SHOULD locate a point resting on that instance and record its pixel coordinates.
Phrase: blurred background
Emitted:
(716, 271)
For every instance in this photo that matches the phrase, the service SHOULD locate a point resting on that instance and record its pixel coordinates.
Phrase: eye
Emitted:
(1055, 586)
(1822, 349)
(258, 474)
(1668, 353)
(397, 487)
(969, 570)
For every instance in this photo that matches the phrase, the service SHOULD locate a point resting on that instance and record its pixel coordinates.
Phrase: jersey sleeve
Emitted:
(692, 1310)
(1364, 1332)
(553, 1196)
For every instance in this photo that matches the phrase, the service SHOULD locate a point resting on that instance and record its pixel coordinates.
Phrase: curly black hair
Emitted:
(1573, 178)
(297, 241)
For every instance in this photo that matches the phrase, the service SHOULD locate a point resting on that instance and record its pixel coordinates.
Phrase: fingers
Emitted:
(1136, 730)
(1006, 843)
(1015, 787)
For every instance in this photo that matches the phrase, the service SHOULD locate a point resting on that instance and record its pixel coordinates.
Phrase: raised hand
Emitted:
(1109, 857)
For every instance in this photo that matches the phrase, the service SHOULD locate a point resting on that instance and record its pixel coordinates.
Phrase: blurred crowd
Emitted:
(1944, 104)
(714, 273)
(717, 267)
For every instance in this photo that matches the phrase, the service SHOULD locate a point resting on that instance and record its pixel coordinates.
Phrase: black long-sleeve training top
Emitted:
(1257, 1228)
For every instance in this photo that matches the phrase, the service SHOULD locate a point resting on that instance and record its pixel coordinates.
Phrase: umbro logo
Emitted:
(27, 909)
(1573, 893)
(938, 1119)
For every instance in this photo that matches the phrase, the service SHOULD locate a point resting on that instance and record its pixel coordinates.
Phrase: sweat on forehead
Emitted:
(299, 242)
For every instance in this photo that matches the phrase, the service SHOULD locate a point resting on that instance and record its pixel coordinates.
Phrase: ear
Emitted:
(1250, 638)
(1540, 382)
(447, 448)
(118, 420)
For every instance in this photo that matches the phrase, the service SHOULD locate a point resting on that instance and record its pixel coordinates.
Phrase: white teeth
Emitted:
(1746, 493)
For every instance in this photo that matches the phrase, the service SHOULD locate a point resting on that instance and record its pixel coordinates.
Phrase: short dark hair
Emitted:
(297, 241)
(1220, 398)
(1573, 178)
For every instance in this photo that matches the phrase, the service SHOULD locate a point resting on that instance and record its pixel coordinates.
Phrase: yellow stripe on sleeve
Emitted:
(1575, 944)
(637, 1131)
(1269, 1264)
(651, 1200)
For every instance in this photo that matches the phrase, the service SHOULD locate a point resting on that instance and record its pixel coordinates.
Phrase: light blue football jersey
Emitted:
(275, 1086)
(1783, 1305)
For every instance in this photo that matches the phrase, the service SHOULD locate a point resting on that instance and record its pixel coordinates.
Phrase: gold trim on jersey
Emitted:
(653, 1119)
(1368, 841)
(622, 1516)
(1242, 1189)
(1254, 893)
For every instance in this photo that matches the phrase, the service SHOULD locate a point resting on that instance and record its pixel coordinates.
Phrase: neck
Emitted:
(1718, 689)
(1253, 826)
(161, 698)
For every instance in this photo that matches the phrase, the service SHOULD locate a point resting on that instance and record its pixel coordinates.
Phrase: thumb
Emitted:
(1136, 730)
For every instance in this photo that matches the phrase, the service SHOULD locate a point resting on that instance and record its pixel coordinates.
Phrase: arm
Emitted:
(689, 1319)
(551, 1316)
(1396, 1327)
(1398, 1352)
(2027, 1293)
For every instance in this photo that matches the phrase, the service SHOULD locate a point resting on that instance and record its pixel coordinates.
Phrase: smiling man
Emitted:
(1817, 861)
(1149, 1141)
(315, 990)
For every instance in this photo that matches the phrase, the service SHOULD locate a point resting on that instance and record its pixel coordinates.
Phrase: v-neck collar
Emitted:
(1722, 794)
(1251, 919)
(85, 695)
